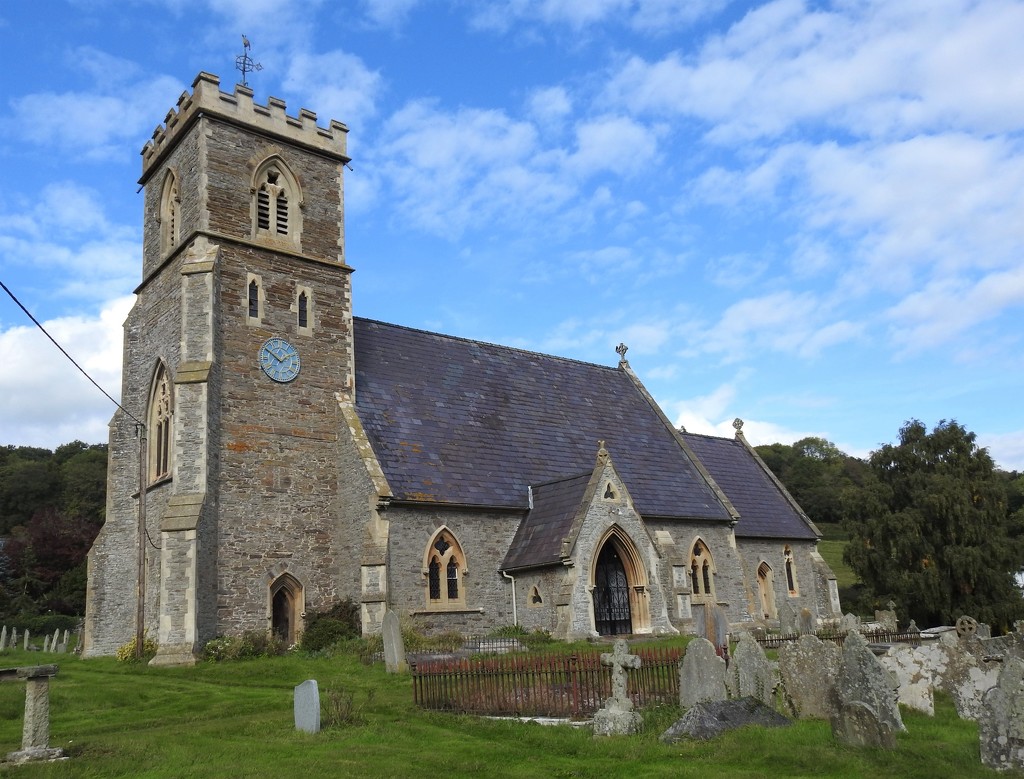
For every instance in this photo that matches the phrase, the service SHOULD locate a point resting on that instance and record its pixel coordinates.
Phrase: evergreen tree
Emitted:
(930, 529)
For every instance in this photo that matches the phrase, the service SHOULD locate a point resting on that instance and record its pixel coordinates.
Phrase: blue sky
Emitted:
(806, 214)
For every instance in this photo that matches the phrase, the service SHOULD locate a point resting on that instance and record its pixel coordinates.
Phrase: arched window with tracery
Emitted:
(170, 213)
(702, 574)
(276, 202)
(791, 581)
(445, 568)
(161, 412)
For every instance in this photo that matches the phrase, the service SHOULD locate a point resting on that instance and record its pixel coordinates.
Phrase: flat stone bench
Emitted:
(35, 734)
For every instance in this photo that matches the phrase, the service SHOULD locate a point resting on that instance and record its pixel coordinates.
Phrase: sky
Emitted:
(809, 215)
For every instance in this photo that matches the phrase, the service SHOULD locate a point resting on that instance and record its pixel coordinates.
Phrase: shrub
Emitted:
(249, 645)
(126, 653)
(341, 708)
(326, 628)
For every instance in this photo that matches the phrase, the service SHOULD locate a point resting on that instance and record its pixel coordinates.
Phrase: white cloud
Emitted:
(1007, 449)
(388, 13)
(339, 84)
(47, 401)
(649, 16)
(103, 123)
(613, 143)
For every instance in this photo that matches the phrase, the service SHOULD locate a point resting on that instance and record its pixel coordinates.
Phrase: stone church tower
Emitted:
(244, 289)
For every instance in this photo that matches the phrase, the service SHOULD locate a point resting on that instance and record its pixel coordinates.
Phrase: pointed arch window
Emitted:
(170, 216)
(702, 574)
(445, 568)
(254, 299)
(161, 409)
(276, 202)
(791, 582)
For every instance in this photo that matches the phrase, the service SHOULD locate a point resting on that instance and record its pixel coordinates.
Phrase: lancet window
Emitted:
(445, 568)
(160, 415)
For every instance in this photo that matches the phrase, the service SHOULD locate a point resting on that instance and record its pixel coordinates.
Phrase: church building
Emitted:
(293, 455)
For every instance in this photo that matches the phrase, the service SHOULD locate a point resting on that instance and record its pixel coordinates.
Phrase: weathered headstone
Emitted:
(3, 639)
(1001, 724)
(958, 672)
(26, 640)
(35, 732)
(46, 643)
(809, 668)
(394, 645)
(55, 640)
(14, 639)
(751, 674)
(721, 629)
(868, 713)
(787, 619)
(701, 674)
(708, 720)
(805, 625)
(307, 707)
(887, 619)
(914, 680)
(849, 622)
(856, 724)
(617, 717)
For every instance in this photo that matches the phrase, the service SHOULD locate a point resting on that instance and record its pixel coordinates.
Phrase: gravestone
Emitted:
(46, 643)
(751, 674)
(887, 619)
(915, 681)
(394, 645)
(805, 624)
(26, 640)
(713, 718)
(616, 716)
(14, 639)
(55, 640)
(720, 629)
(868, 713)
(1001, 724)
(958, 672)
(3, 639)
(848, 623)
(787, 619)
(307, 707)
(701, 674)
(856, 724)
(35, 732)
(809, 668)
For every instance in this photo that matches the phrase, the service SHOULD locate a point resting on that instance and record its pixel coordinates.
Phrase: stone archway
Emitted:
(619, 587)
(285, 608)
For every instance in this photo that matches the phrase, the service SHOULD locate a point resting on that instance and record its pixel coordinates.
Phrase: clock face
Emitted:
(279, 360)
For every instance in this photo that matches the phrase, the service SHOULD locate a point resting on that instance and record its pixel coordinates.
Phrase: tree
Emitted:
(930, 529)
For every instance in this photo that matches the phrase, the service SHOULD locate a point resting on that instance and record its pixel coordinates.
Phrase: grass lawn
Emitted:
(235, 720)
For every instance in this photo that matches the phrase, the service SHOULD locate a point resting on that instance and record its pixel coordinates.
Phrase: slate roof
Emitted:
(764, 510)
(468, 423)
(538, 541)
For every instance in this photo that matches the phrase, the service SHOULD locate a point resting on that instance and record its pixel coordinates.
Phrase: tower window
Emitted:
(170, 204)
(254, 299)
(303, 310)
(276, 203)
(160, 414)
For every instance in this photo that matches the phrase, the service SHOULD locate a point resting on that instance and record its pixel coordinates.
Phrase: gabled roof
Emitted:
(765, 512)
(538, 541)
(462, 422)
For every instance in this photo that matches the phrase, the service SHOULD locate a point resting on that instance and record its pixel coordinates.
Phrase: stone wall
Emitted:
(484, 536)
(756, 550)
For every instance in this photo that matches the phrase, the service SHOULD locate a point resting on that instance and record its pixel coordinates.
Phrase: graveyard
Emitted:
(237, 719)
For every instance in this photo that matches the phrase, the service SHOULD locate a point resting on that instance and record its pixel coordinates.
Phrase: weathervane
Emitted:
(243, 61)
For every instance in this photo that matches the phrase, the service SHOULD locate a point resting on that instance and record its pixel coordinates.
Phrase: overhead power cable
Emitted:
(72, 359)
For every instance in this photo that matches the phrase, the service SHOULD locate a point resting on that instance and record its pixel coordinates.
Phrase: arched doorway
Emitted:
(612, 613)
(285, 599)
(766, 590)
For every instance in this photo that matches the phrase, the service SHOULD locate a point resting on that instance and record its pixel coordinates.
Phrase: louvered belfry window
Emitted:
(273, 202)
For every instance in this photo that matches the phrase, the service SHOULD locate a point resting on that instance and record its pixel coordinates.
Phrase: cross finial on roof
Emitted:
(737, 423)
(621, 349)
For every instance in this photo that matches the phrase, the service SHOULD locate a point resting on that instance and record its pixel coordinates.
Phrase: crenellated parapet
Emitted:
(207, 99)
